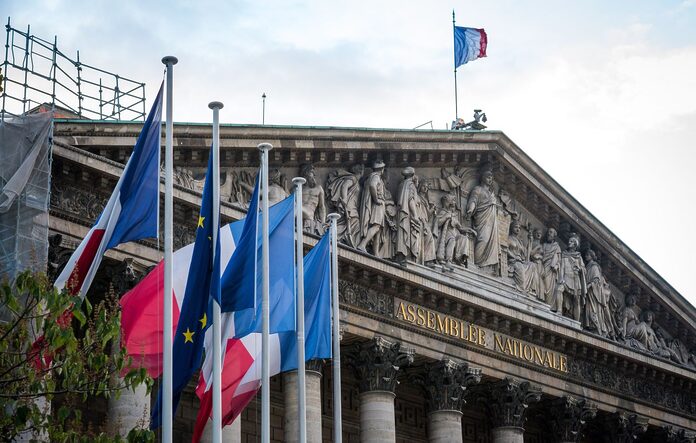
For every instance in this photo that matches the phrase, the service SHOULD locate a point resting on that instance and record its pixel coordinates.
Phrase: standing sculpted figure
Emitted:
(598, 315)
(343, 189)
(313, 205)
(482, 208)
(452, 240)
(373, 209)
(551, 258)
(520, 268)
(572, 287)
(426, 211)
(536, 256)
(409, 229)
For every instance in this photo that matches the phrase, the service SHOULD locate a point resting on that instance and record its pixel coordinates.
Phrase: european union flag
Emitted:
(195, 313)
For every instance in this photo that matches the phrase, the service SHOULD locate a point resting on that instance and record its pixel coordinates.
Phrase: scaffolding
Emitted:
(37, 73)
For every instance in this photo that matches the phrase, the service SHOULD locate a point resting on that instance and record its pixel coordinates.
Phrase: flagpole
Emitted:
(217, 332)
(299, 254)
(456, 102)
(338, 424)
(265, 309)
(169, 62)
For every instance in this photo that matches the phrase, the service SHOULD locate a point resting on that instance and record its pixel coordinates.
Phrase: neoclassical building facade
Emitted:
(479, 301)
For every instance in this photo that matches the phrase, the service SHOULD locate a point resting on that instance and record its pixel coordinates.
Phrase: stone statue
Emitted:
(452, 240)
(277, 191)
(637, 331)
(426, 217)
(373, 209)
(536, 256)
(343, 190)
(551, 258)
(571, 291)
(482, 208)
(387, 233)
(409, 230)
(524, 272)
(241, 187)
(598, 316)
(313, 202)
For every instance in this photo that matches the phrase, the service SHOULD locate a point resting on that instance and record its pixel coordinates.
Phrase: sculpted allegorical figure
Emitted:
(373, 209)
(572, 286)
(536, 256)
(343, 190)
(600, 305)
(552, 262)
(637, 329)
(276, 188)
(452, 240)
(524, 272)
(408, 226)
(313, 205)
(426, 211)
(482, 207)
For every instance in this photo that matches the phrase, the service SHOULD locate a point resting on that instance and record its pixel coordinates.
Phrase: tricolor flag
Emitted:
(131, 212)
(141, 307)
(469, 44)
(195, 313)
(241, 372)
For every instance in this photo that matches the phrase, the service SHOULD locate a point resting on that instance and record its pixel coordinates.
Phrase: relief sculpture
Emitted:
(482, 207)
(343, 192)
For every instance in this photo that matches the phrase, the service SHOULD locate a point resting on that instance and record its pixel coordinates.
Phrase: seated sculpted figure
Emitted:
(637, 330)
(452, 240)
(520, 268)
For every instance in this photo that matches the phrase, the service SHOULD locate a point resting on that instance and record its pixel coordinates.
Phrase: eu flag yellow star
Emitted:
(204, 320)
(200, 221)
(188, 336)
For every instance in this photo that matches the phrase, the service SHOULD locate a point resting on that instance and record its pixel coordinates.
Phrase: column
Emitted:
(445, 384)
(507, 401)
(313, 396)
(231, 433)
(132, 408)
(377, 363)
(625, 427)
(568, 417)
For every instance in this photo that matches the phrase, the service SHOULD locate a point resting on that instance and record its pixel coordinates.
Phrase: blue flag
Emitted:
(241, 280)
(317, 280)
(195, 315)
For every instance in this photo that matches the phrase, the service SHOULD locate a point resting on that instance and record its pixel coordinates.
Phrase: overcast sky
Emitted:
(602, 95)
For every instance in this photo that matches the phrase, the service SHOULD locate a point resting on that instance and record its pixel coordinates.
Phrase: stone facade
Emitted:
(461, 262)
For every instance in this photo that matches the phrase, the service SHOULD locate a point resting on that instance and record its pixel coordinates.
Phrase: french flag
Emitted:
(469, 44)
(241, 370)
(131, 212)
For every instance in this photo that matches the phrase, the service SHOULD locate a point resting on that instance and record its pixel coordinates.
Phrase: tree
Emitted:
(56, 355)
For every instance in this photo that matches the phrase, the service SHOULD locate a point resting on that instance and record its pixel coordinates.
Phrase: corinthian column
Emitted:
(625, 427)
(313, 397)
(445, 384)
(569, 415)
(377, 363)
(506, 402)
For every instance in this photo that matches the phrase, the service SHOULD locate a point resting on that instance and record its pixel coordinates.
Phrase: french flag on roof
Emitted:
(131, 212)
(469, 44)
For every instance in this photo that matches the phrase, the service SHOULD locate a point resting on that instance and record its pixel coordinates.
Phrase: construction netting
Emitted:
(25, 183)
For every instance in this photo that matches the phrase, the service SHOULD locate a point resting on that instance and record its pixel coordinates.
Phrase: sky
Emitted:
(602, 95)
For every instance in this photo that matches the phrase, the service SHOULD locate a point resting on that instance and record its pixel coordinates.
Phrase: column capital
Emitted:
(507, 401)
(377, 363)
(568, 416)
(625, 427)
(314, 365)
(671, 434)
(446, 382)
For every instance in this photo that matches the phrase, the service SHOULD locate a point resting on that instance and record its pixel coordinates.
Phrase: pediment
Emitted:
(441, 240)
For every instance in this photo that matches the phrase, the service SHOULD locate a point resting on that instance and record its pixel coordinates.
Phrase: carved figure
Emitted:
(343, 190)
(482, 207)
(313, 205)
(387, 233)
(572, 287)
(598, 313)
(524, 272)
(536, 256)
(636, 329)
(241, 187)
(373, 209)
(426, 215)
(277, 191)
(409, 230)
(453, 241)
(552, 261)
